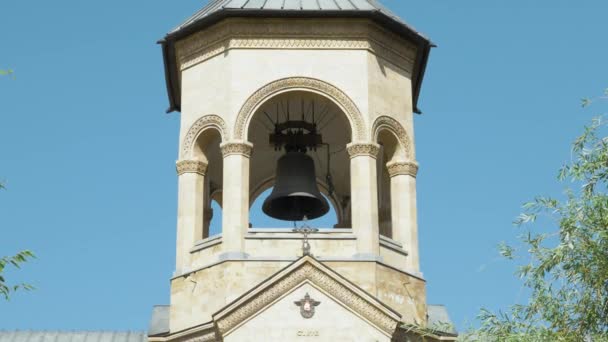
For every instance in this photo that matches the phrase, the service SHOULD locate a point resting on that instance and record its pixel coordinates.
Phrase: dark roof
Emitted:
(72, 336)
(216, 10)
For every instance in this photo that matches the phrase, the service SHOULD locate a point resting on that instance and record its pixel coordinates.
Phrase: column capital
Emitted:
(191, 166)
(363, 149)
(238, 147)
(402, 168)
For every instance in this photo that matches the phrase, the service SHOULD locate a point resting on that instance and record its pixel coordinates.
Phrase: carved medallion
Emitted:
(307, 306)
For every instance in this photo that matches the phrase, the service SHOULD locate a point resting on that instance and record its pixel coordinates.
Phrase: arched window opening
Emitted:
(215, 223)
(207, 149)
(391, 150)
(300, 113)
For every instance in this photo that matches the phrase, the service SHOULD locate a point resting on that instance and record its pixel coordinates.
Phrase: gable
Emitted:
(285, 284)
(283, 321)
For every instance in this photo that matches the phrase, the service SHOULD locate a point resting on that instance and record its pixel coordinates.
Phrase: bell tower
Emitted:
(314, 100)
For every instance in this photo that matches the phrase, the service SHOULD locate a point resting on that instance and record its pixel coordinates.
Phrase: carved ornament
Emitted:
(387, 122)
(407, 168)
(363, 149)
(237, 147)
(252, 104)
(191, 166)
(199, 126)
(295, 34)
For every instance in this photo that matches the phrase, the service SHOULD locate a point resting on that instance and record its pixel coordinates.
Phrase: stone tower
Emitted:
(235, 69)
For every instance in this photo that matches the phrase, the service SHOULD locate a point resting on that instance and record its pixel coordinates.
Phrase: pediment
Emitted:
(272, 302)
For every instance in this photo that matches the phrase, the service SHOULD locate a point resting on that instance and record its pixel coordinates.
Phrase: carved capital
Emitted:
(402, 168)
(363, 149)
(191, 166)
(243, 148)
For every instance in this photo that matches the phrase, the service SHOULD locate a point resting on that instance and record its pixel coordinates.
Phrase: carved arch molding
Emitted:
(349, 108)
(204, 123)
(392, 125)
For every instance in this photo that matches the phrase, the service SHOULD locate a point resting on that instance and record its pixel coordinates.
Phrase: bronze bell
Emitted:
(295, 194)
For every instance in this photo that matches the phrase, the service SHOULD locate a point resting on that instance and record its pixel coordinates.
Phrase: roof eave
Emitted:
(424, 44)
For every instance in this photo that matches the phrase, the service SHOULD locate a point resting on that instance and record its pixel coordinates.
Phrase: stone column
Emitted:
(364, 198)
(235, 210)
(190, 210)
(404, 210)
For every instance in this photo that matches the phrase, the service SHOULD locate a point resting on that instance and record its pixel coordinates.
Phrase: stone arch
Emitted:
(385, 122)
(322, 88)
(202, 124)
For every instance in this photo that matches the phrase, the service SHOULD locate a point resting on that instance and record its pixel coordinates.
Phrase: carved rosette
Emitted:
(407, 168)
(243, 148)
(191, 166)
(363, 149)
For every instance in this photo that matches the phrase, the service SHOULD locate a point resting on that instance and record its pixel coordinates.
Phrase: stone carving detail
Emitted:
(204, 335)
(307, 306)
(237, 147)
(200, 125)
(319, 278)
(295, 34)
(351, 110)
(191, 166)
(387, 122)
(407, 168)
(365, 149)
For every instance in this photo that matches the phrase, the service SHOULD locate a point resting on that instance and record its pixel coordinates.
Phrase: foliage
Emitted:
(7, 72)
(565, 254)
(16, 261)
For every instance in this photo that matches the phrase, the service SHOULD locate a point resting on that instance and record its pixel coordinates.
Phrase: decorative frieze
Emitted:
(405, 168)
(191, 166)
(295, 34)
(237, 147)
(363, 149)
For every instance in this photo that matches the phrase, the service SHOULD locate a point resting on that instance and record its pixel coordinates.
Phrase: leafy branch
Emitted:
(15, 261)
(565, 262)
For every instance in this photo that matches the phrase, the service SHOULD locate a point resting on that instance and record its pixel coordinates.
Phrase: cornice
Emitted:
(405, 168)
(363, 149)
(295, 34)
(191, 166)
(237, 148)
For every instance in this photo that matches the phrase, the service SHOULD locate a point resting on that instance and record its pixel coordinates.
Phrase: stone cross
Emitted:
(305, 230)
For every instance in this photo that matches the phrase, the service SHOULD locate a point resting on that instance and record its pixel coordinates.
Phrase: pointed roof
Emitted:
(267, 6)
(216, 10)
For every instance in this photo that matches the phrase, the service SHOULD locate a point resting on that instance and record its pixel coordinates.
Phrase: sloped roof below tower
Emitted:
(72, 336)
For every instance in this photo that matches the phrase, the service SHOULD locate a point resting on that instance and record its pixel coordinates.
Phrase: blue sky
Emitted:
(88, 153)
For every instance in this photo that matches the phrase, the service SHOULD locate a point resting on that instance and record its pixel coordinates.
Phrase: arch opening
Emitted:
(206, 148)
(331, 160)
(391, 150)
